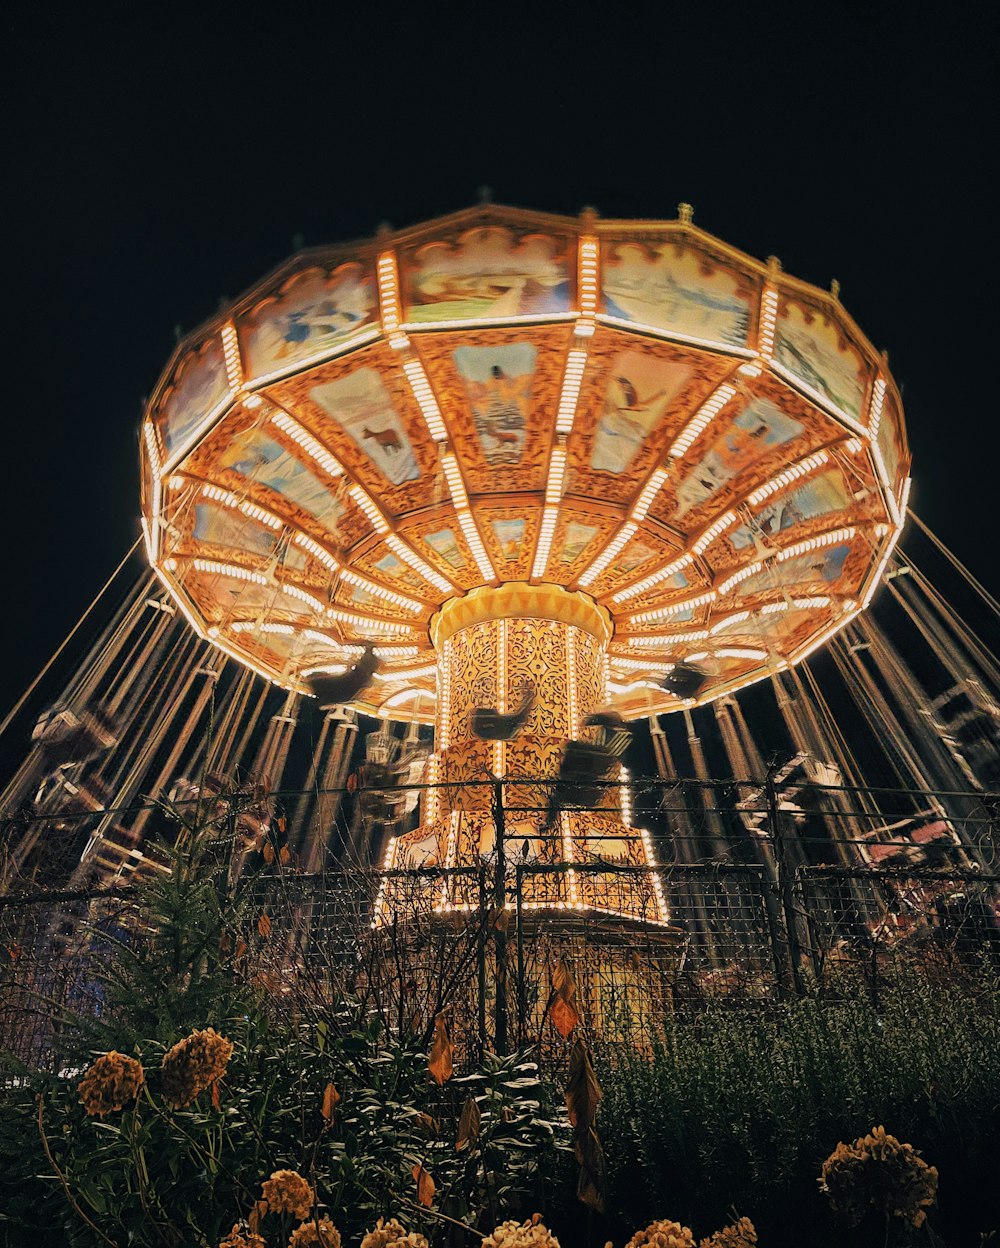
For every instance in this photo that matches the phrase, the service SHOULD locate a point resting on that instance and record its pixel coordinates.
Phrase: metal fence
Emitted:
(760, 892)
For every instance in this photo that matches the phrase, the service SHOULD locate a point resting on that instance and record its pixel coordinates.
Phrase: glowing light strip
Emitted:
(349, 650)
(875, 411)
(251, 626)
(404, 695)
(378, 591)
(444, 696)
(250, 510)
(557, 473)
(308, 443)
(499, 750)
(713, 531)
(388, 288)
(460, 499)
(230, 569)
(153, 533)
(853, 445)
(317, 551)
(424, 395)
(625, 796)
(647, 846)
(408, 556)
(523, 318)
(789, 475)
(643, 665)
(649, 492)
(818, 397)
(387, 865)
(816, 543)
(741, 574)
(625, 534)
(740, 652)
(883, 475)
(587, 281)
(364, 623)
(605, 675)
(568, 856)
(670, 639)
(576, 363)
(378, 521)
(433, 779)
(663, 613)
(573, 705)
(768, 321)
(736, 618)
(615, 687)
(293, 591)
(654, 578)
(700, 421)
(231, 352)
(545, 534)
(876, 578)
(408, 673)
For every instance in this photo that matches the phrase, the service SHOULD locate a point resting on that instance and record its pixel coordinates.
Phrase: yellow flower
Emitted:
(663, 1234)
(878, 1172)
(288, 1192)
(241, 1239)
(110, 1083)
(741, 1234)
(315, 1234)
(530, 1234)
(194, 1064)
(392, 1235)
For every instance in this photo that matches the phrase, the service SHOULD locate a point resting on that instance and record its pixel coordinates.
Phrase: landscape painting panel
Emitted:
(361, 405)
(814, 350)
(258, 457)
(200, 388)
(497, 381)
(640, 390)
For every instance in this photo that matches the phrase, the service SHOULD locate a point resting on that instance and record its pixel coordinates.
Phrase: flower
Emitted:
(110, 1083)
(193, 1065)
(392, 1235)
(879, 1172)
(530, 1234)
(664, 1234)
(288, 1192)
(741, 1234)
(240, 1239)
(318, 1233)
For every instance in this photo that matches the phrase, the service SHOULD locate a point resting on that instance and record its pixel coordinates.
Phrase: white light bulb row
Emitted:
(231, 353)
(647, 846)
(424, 395)
(576, 362)
(875, 412)
(741, 574)
(669, 639)
(712, 532)
(362, 623)
(468, 527)
(675, 608)
(642, 665)
(588, 276)
(649, 492)
(625, 534)
(248, 509)
(152, 532)
(312, 448)
(557, 474)
(832, 538)
(400, 549)
(768, 322)
(388, 287)
(801, 469)
(317, 551)
(573, 706)
(252, 626)
(545, 534)
(654, 578)
(566, 829)
(433, 778)
(444, 695)
(737, 618)
(853, 445)
(740, 652)
(625, 796)
(379, 591)
(700, 421)
(213, 566)
(312, 603)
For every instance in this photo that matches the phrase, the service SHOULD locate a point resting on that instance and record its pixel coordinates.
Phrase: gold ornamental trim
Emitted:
(519, 600)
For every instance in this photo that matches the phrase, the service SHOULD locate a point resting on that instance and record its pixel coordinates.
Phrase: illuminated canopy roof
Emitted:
(706, 446)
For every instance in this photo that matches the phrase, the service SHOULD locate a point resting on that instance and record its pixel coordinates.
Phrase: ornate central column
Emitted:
(494, 646)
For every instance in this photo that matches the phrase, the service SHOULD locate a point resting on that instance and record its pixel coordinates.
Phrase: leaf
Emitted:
(468, 1124)
(284, 855)
(268, 852)
(256, 1213)
(591, 1186)
(440, 1060)
(562, 1003)
(241, 948)
(331, 1099)
(425, 1185)
(216, 1098)
(583, 1092)
(264, 925)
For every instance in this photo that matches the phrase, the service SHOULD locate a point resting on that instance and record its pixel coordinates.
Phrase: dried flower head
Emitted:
(663, 1234)
(392, 1234)
(110, 1083)
(241, 1239)
(740, 1234)
(878, 1172)
(288, 1192)
(194, 1064)
(316, 1233)
(530, 1234)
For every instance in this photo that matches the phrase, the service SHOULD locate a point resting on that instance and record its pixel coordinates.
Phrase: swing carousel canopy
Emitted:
(683, 443)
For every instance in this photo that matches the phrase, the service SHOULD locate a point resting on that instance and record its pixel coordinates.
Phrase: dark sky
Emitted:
(156, 161)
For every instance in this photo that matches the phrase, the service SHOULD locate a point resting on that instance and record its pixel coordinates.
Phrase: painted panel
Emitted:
(258, 457)
(443, 543)
(313, 313)
(640, 390)
(510, 538)
(635, 554)
(677, 289)
(199, 388)
(498, 382)
(815, 568)
(488, 272)
(755, 431)
(221, 526)
(821, 496)
(361, 405)
(890, 441)
(576, 538)
(813, 348)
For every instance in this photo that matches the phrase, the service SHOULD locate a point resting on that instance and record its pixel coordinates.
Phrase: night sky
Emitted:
(157, 162)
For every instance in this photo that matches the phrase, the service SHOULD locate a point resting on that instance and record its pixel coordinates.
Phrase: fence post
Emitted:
(522, 987)
(785, 888)
(500, 922)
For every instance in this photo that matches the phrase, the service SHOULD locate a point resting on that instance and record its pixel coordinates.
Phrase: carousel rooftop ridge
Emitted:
(706, 446)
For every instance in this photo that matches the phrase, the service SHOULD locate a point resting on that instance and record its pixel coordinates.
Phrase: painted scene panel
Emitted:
(361, 405)
(312, 314)
(510, 537)
(443, 543)
(497, 381)
(821, 496)
(817, 568)
(576, 538)
(754, 433)
(678, 290)
(200, 388)
(639, 392)
(814, 349)
(488, 272)
(258, 457)
(221, 526)
(890, 441)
